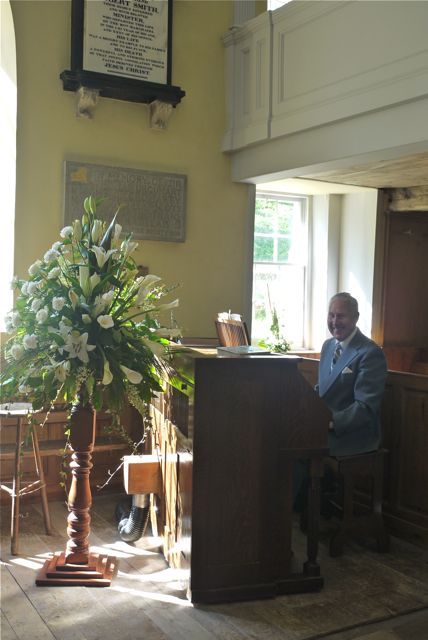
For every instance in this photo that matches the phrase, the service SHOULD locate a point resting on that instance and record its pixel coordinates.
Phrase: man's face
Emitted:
(340, 320)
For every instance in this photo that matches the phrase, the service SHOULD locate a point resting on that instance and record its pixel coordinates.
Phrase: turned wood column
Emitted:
(82, 437)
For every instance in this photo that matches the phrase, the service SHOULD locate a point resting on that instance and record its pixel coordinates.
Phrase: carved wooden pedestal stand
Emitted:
(77, 566)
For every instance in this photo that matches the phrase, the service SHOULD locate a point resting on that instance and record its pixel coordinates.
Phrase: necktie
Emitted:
(336, 355)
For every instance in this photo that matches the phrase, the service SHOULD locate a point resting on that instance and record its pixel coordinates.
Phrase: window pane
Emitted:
(283, 249)
(282, 287)
(285, 216)
(263, 249)
(265, 215)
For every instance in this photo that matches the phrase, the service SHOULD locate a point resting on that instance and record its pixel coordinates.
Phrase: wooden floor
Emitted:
(367, 596)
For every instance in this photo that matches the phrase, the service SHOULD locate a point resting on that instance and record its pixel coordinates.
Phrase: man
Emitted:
(351, 380)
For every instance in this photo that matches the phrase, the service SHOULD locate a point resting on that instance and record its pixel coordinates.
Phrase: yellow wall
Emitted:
(209, 265)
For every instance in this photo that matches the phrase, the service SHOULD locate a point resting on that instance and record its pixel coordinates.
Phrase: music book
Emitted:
(243, 350)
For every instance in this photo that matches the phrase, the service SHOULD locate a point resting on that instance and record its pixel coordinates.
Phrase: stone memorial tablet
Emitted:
(153, 203)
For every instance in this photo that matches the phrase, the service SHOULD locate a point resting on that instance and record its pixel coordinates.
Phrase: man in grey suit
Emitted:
(351, 380)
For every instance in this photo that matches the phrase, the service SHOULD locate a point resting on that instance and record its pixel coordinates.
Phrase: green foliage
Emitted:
(277, 343)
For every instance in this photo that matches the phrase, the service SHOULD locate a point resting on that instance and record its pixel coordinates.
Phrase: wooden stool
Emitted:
(19, 488)
(349, 469)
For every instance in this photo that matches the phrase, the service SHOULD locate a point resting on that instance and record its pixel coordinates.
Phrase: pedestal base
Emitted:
(97, 573)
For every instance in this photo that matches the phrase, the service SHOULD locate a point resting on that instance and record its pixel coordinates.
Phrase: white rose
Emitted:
(35, 268)
(24, 288)
(106, 322)
(54, 273)
(67, 232)
(42, 316)
(58, 303)
(36, 304)
(15, 319)
(33, 287)
(50, 255)
(17, 351)
(56, 246)
(30, 341)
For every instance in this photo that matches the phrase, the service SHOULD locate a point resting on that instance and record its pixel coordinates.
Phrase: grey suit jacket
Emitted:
(353, 391)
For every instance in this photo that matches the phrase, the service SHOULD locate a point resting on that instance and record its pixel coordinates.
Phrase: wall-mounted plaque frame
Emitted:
(153, 202)
(122, 49)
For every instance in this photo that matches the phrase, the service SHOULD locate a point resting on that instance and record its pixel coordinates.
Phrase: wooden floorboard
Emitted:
(365, 592)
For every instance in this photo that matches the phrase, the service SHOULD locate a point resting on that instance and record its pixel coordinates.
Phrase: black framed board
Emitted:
(123, 49)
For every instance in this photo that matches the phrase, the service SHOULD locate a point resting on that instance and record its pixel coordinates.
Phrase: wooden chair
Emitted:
(232, 333)
(22, 488)
(349, 470)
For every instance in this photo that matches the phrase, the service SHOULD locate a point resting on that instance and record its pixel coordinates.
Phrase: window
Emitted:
(7, 155)
(276, 4)
(280, 266)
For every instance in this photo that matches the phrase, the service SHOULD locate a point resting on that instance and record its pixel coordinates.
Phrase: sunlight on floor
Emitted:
(149, 595)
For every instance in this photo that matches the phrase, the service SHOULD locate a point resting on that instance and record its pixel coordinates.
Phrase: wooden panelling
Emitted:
(405, 436)
(406, 281)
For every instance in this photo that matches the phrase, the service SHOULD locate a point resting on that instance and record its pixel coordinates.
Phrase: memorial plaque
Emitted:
(122, 49)
(153, 203)
(127, 38)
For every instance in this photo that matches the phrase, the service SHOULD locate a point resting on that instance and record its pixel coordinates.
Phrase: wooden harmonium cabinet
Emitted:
(226, 432)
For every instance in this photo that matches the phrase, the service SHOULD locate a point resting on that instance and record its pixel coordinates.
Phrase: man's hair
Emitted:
(350, 301)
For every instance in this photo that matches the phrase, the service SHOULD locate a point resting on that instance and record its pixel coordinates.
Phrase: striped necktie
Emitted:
(336, 355)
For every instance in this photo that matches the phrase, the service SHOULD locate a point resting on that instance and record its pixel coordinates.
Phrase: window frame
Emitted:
(306, 214)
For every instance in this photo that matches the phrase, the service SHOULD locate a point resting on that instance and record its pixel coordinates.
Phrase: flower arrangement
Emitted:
(85, 324)
(278, 343)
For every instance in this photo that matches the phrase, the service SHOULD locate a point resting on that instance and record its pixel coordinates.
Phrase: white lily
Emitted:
(84, 280)
(78, 347)
(97, 230)
(145, 286)
(128, 247)
(168, 305)
(77, 230)
(106, 322)
(86, 318)
(102, 255)
(94, 280)
(62, 370)
(107, 376)
(155, 347)
(74, 298)
(115, 241)
(133, 376)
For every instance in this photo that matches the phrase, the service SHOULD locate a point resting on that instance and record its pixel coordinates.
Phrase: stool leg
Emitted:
(381, 534)
(337, 540)
(41, 475)
(16, 492)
